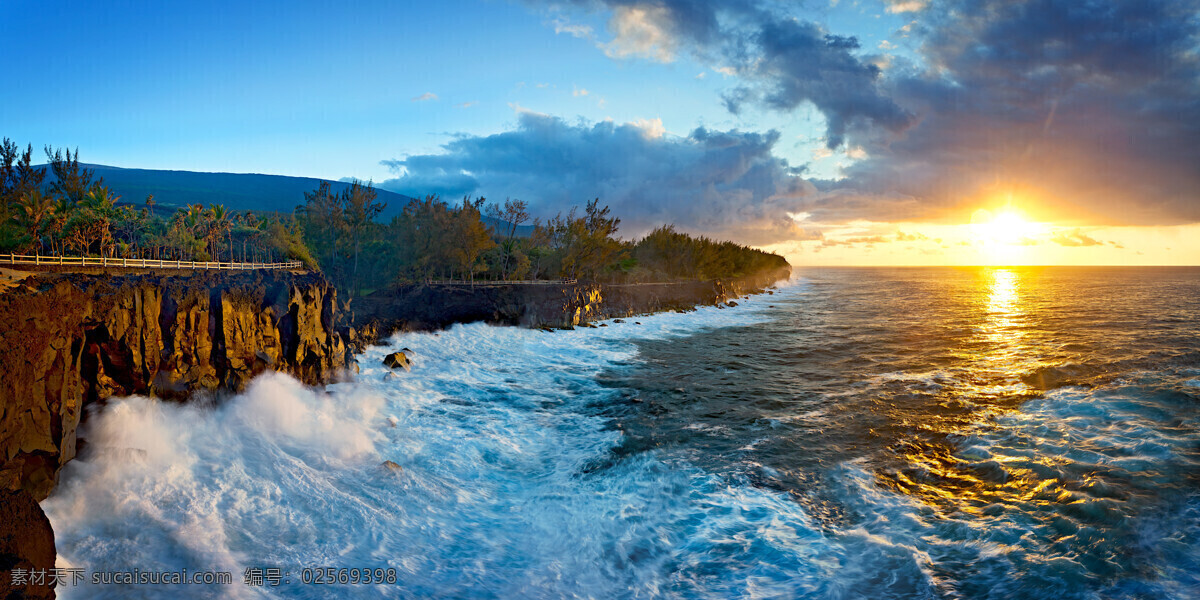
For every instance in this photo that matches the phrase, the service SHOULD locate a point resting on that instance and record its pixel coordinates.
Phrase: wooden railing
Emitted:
(140, 263)
(498, 282)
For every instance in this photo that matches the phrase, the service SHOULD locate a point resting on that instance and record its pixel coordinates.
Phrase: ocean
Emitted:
(858, 433)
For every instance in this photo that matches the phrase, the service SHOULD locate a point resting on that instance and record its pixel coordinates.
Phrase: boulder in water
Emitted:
(392, 466)
(397, 360)
(731, 304)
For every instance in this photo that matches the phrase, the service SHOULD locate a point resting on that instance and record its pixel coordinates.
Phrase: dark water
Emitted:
(860, 433)
(1026, 433)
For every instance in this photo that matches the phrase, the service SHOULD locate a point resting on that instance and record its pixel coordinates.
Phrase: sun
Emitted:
(1005, 228)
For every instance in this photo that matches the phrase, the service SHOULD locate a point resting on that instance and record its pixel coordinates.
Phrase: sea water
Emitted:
(879, 433)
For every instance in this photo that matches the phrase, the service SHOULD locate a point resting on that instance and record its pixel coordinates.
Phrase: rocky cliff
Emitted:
(424, 307)
(71, 340)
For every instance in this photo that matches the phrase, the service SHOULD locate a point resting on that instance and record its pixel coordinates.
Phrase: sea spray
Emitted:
(494, 432)
(892, 436)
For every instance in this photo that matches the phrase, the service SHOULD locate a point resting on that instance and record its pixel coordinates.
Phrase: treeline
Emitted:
(475, 240)
(77, 215)
(340, 233)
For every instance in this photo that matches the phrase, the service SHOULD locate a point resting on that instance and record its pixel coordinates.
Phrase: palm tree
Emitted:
(220, 225)
(101, 199)
(58, 220)
(32, 210)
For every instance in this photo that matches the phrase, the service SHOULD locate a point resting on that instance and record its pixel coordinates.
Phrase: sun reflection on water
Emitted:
(1002, 297)
(987, 383)
(1002, 331)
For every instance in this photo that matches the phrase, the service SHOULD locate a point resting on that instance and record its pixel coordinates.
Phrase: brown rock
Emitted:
(397, 360)
(26, 542)
(75, 339)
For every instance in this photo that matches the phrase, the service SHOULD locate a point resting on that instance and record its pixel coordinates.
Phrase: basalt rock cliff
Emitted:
(72, 340)
(426, 307)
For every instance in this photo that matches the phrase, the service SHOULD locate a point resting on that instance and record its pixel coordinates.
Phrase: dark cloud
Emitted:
(797, 61)
(720, 182)
(783, 61)
(1087, 109)
(1091, 108)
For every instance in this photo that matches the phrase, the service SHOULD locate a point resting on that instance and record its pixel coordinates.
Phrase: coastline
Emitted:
(75, 340)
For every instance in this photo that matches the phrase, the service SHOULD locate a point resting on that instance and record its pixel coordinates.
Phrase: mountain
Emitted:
(237, 191)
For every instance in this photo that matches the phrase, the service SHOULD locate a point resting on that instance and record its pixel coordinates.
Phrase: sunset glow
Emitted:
(1004, 228)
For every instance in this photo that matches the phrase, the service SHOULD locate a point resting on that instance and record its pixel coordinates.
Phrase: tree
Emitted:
(72, 181)
(218, 226)
(512, 215)
(324, 223)
(58, 219)
(359, 209)
(18, 176)
(589, 243)
(469, 238)
(99, 205)
(32, 211)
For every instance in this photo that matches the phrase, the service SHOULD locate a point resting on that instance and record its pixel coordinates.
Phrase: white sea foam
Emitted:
(506, 491)
(497, 496)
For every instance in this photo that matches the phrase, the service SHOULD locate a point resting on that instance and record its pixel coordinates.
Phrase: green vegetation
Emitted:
(434, 240)
(77, 215)
(340, 233)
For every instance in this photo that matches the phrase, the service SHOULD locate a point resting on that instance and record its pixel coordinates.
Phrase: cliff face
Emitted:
(438, 306)
(73, 339)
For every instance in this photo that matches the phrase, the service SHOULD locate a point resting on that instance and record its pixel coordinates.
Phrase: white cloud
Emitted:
(651, 128)
(521, 110)
(424, 97)
(905, 6)
(562, 25)
(641, 31)
(578, 91)
(465, 104)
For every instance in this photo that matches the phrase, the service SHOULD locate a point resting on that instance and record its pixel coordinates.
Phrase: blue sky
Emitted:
(311, 88)
(813, 126)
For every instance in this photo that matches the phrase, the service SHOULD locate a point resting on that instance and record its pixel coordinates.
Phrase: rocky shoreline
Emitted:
(422, 308)
(71, 341)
